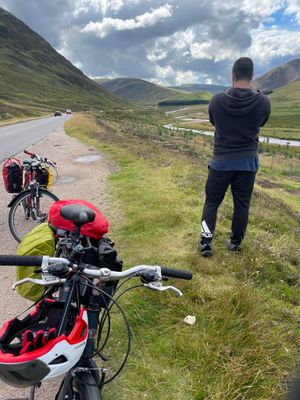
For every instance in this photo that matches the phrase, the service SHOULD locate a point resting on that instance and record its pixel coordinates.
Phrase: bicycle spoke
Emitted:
(27, 212)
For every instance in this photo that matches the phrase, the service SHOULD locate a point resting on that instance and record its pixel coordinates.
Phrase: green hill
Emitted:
(288, 94)
(138, 90)
(36, 78)
(141, 91)
(279, 76)
(285, 117)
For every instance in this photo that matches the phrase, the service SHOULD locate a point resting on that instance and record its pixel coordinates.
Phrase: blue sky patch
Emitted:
(282, 21)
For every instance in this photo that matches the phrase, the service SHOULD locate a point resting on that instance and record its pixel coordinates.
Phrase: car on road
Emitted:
(68, 111)
(57, 114)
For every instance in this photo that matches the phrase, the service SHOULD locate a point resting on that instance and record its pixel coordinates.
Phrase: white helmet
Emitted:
(31, 351)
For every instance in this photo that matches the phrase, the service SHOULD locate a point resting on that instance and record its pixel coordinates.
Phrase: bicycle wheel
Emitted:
(27, 211)
(82, 387)
(86, 388)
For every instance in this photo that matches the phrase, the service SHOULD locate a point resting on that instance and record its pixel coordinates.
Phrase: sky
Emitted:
(169, 42)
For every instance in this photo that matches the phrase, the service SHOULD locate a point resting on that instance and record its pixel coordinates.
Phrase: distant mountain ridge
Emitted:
(145, 92)
(137, 90)
(200, 87)
(33, 72)
(279, 76)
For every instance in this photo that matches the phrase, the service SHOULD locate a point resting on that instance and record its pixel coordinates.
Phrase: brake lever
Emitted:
(157, 285)
(46, 281)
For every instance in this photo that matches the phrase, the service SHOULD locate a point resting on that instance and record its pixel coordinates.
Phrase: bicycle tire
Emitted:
(20, 218)
(83, 387)
(86, 387)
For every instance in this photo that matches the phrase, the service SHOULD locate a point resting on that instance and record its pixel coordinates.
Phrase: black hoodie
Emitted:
(237, 115)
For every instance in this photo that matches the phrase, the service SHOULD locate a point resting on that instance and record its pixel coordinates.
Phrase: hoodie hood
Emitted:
(240, 102)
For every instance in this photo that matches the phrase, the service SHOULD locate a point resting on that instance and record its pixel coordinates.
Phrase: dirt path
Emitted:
(77, 179)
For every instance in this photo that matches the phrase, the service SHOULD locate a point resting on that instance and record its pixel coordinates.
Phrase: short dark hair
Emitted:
(243, 68)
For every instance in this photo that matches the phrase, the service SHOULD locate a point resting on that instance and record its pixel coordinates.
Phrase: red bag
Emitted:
(12, 175)
(95, 229)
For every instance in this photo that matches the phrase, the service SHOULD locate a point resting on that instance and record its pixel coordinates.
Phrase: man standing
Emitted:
(237, 114)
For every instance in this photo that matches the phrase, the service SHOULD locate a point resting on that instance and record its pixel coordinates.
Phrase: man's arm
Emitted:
(210, 110)
(267, 111)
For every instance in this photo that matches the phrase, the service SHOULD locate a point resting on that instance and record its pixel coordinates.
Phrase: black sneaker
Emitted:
(205, 249)
(234, 245)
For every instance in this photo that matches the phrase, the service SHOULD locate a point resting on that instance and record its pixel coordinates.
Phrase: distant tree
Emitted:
(182, 102)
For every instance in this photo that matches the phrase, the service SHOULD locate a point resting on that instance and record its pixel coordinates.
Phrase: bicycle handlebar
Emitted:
(39, 158)
(26, 261)
(103, 273)
(176, 273)
(29, 153)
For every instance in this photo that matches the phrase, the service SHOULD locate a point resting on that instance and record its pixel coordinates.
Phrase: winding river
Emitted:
(263, 139)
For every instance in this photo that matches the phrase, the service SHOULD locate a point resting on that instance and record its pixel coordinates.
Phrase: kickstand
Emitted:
(32, 391)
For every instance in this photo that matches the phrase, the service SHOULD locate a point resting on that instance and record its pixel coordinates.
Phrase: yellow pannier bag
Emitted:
(38, 242)
(44, 176)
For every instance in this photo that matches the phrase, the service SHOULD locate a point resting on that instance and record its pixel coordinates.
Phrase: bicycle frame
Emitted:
(64, 277)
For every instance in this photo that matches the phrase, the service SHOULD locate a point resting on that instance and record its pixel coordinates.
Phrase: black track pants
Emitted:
(217, 183)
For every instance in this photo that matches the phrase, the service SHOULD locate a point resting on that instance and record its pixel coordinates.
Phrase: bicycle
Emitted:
(31, 205)
(64, 277)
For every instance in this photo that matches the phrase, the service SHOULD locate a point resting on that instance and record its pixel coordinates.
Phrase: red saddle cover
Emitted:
(95, 229)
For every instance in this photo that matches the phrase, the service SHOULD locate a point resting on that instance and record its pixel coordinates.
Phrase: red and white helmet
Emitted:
(31, 351)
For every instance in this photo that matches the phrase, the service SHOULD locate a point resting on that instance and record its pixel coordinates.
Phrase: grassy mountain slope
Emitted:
(284, 121)
(280, 76)
(288, 94)
(141, 91)
(138, 90)
(34, 76)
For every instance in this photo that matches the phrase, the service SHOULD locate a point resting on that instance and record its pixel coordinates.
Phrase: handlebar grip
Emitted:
(176, 273)
(26, 261)
(29, 153)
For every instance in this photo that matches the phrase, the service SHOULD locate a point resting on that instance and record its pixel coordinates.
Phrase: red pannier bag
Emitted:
(12, 175)
(95, 229)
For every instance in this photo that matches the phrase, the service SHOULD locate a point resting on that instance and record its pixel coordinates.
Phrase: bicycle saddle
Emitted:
(78, 214)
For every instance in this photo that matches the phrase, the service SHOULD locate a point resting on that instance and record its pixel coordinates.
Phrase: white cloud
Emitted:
(182, 39)
(156, 54)
(164, 75)
(99, 6)
(183, 77)
(267, 45)
(293, 8)
(78, 64)
(205, 50)
(274, 43)
(261, 8)
(178, 40)
(108, 25)
(168, 76)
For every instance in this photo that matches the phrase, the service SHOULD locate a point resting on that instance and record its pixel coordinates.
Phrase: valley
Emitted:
(245, 343)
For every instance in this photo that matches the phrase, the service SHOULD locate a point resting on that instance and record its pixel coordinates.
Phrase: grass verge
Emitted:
(245, 341)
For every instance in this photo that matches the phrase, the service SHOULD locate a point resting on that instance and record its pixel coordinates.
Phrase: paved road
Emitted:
(17, 137)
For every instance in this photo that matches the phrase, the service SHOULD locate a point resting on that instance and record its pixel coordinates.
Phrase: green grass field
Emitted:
(246, 338)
